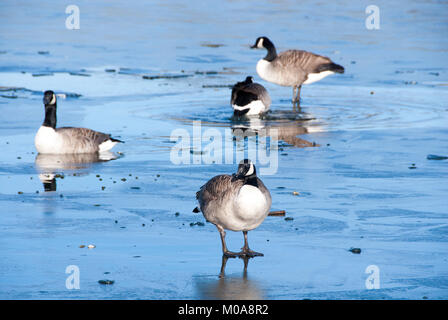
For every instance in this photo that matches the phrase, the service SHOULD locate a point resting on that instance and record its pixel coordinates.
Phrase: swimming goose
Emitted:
(292, 68)
(50, 139)
(249, 98)
(239, 202)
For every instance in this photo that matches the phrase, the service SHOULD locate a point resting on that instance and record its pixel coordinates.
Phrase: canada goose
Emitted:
(249, 98)
(292, 68)
(50, 139)
(239, 202)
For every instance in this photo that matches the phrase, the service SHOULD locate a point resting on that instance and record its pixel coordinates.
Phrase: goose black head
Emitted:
(262, 42)
(246, 170)
(249, 79)
(49, 98)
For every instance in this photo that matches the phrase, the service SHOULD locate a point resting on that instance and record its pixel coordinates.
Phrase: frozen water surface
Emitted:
(356, 155)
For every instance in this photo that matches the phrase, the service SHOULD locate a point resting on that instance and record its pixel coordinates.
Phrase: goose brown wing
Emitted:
(84, 134)
(307, 62)
(216, 189)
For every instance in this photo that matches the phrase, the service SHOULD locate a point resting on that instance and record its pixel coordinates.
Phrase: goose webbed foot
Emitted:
(246, 252)
(231, 254)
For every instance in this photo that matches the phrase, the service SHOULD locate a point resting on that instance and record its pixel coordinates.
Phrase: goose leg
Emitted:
(222, 272)
(226, 252)
(247, 251)
(296, 100)
(294, 94)
(223, 266)
(246, 263)
(297, 97)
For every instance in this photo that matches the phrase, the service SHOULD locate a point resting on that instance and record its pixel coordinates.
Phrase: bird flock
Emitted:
(237, 202)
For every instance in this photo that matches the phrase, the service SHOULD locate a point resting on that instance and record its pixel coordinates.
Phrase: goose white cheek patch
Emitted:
(251, 170)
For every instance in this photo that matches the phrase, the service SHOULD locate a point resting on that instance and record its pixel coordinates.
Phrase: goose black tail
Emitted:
(115, 140)
(331, 67)
(196, 210)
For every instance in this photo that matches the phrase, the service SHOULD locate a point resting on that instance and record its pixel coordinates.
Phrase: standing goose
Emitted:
(292, 68)
(239, 202)
(50, 139)
(249, 98)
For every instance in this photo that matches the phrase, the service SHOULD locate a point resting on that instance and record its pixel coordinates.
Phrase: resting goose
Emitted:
(249, 98)
(50, 139)
(239, 202)
(292, 68)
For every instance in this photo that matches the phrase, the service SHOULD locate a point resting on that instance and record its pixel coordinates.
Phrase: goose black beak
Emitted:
(240, 173)
(254, 46)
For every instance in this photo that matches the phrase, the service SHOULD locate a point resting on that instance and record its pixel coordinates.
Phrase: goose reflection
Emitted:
(231, 287)
(52, 166)
(280, 128)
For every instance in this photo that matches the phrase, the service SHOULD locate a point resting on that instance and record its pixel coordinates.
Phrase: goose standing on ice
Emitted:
(50, 139)
(239, 202)
(292, 68)
(249, 98)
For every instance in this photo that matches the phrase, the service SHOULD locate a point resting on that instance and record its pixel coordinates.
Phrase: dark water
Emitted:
(356, 154)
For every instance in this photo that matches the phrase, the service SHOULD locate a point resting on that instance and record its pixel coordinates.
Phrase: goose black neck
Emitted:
(50, 185)
(50, 116)
(252, 180)
(272, 53)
